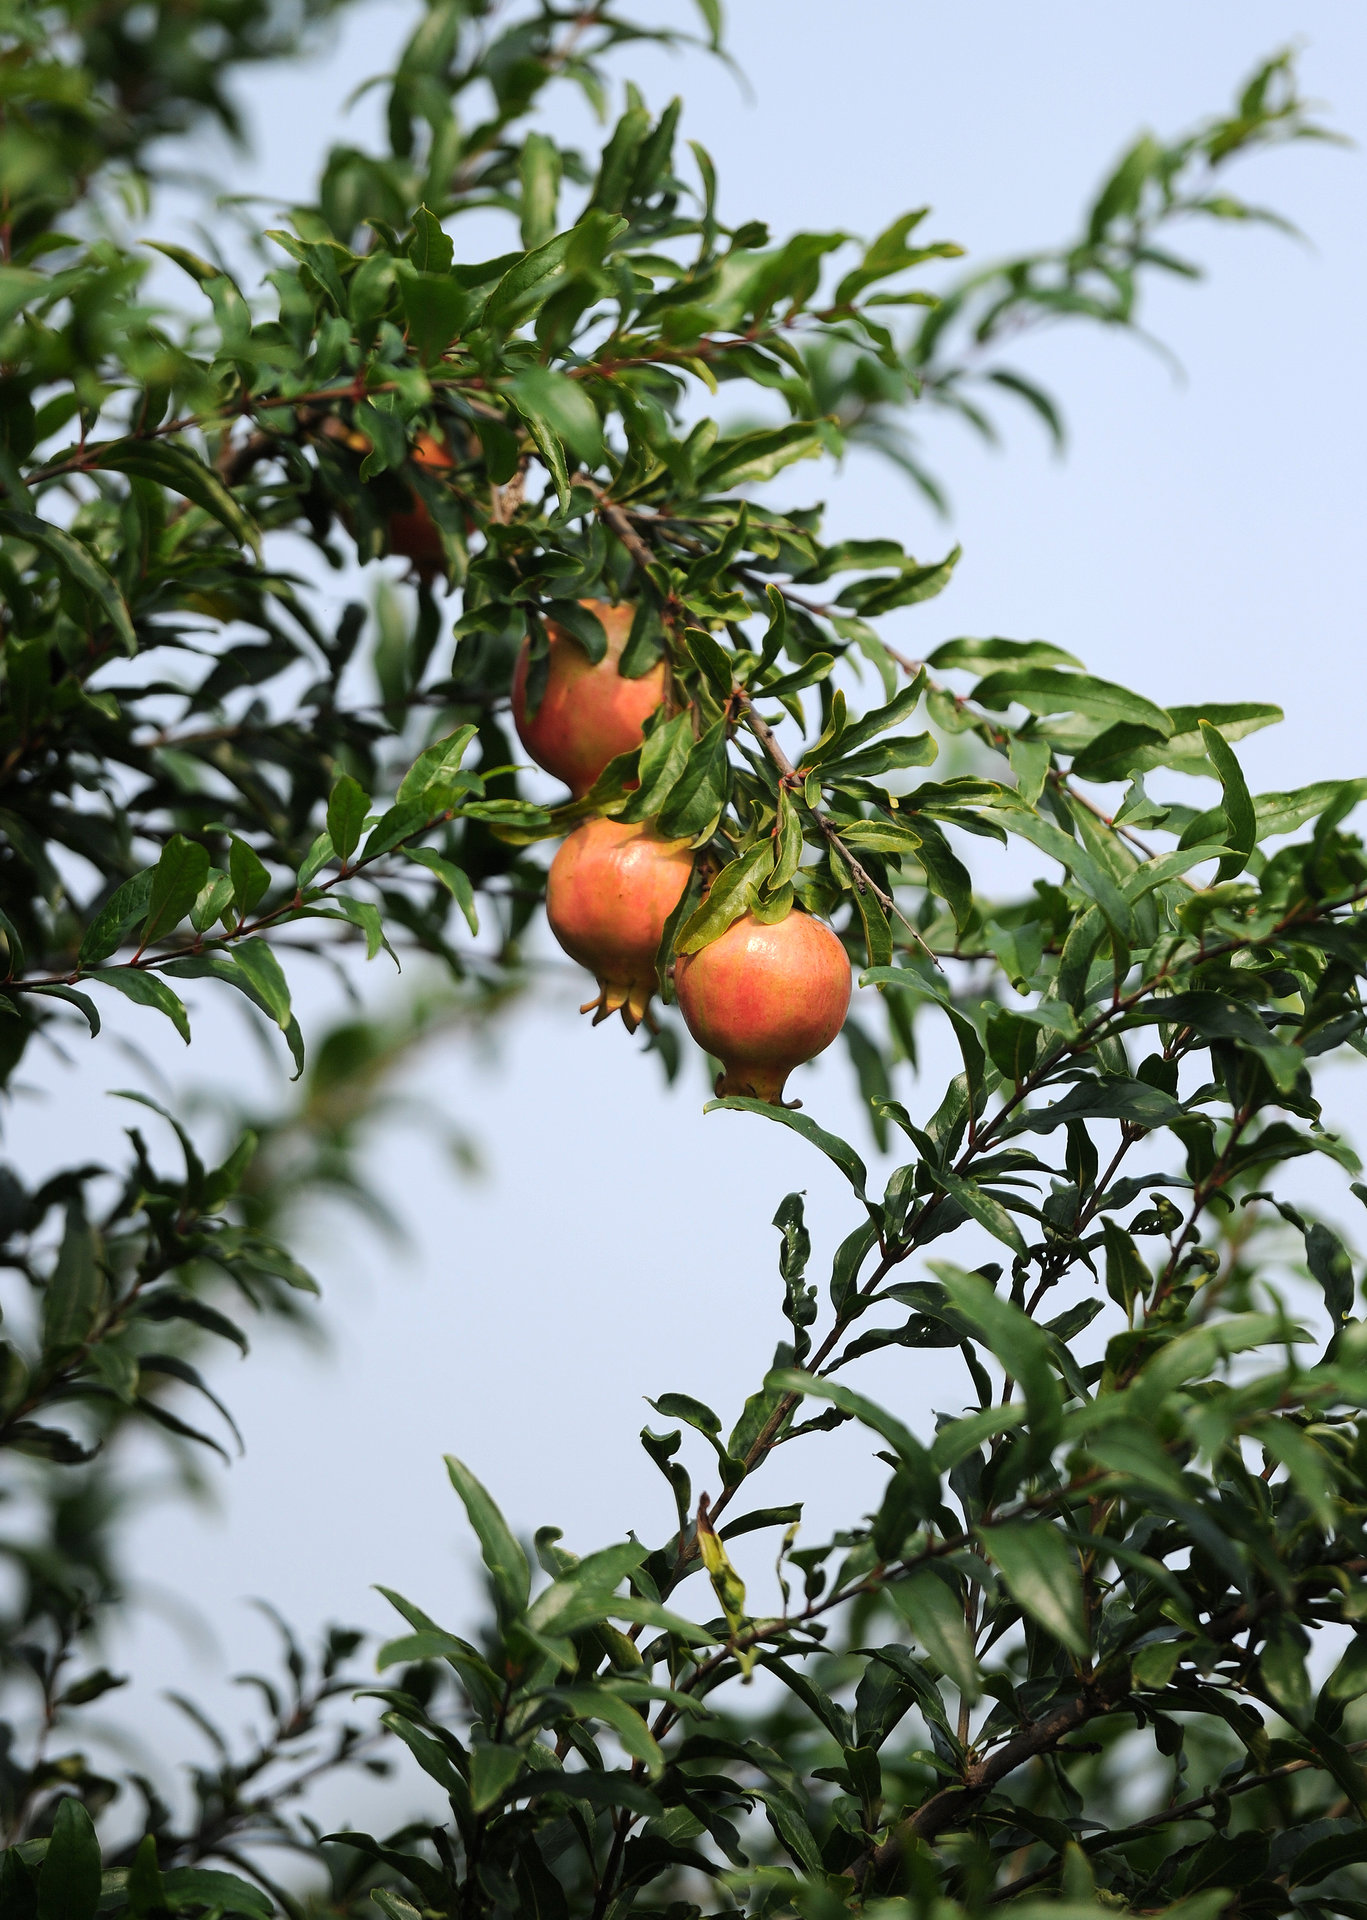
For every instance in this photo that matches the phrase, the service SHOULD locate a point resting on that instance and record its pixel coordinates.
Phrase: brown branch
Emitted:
(952, 1805)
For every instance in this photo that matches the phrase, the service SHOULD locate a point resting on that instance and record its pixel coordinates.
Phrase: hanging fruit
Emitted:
(414, 533)
(765, 998)
(610, 891)
(588, 713)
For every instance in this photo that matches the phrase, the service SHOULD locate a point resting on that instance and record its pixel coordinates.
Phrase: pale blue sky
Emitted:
(1202, 535)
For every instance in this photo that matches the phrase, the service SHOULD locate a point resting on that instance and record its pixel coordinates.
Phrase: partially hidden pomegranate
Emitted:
(588, 714)
(610, 891)
(765, 998)
(415, 534)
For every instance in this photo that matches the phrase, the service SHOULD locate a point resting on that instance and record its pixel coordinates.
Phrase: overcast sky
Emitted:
(1203, 537)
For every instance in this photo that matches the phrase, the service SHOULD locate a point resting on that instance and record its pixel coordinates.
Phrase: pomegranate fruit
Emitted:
(588, 714)
(610, 891)
(414, 534)
(765, 998)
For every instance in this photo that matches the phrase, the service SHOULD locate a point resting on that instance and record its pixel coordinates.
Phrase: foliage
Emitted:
(1124, 1547)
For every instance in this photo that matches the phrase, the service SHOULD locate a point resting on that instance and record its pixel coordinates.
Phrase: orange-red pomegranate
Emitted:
(765, 998)
(588, 714)
(414, 534)
(611, 889)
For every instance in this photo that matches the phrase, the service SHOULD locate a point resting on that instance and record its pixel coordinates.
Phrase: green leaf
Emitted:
(176, 880)
(431, 248)
(348, 805)
(936, 1617)
(539, 168)
(146, 1892)
(1042, 1574)
(914, 1457)
(393, 1905)
(597, 1703)
(77, 565)
(698, 795)
(169, 465)
(400, 823)
(436, 770)
(1044, 690)
(73, 998)
(125, 909)
(1127, 1277)
(504, 1558)
(456, 882)
(492, 1771)
(1127, 750)
(436, 309)
(1085, 869)
(1282, 1666)
(888, 756)
(1330, 1855)
(980, 1206)
(1014, 1339)
(712, 660)
(732, 893)
(974, 655)
(147, 990)
(547, 398)
(1241, 829)
(220, 1892)
(248, 874)
(527, 284)
(835, 1149)
(74, 1290)
(69, 1879)
(746, 458)
(212, 901)
(254, 959)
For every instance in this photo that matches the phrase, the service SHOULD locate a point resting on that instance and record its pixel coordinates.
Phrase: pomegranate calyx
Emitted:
(631, 1000)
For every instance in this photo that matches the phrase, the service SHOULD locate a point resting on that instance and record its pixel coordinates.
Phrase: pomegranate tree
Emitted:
(588, 712)
(611, 889)
(764, 998)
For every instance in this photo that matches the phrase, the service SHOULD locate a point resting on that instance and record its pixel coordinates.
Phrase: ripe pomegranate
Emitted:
(611, 889)
(765, 998)
(588, 714)
(414, 534)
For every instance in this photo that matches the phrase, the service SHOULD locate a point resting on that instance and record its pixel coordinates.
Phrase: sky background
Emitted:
(1203, 536)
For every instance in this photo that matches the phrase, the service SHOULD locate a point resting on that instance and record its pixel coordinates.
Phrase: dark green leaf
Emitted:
(504, 1558)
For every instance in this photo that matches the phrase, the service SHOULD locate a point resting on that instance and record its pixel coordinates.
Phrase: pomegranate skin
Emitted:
(610, 890)
(588, 714)
(764, 999)
(414, 534)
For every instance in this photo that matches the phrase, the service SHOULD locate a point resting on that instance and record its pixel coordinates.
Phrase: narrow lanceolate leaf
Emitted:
(77, 565)
(914, 1456)
(177, 468)
(835, 1149)
(255, 959)
(503, 1557)
(125, 909)
(147, 990)
(1241, 821)
(75, 1288)
(1045, 690)
(936, 1617)
(1041, 1572)
(982, 1207)
(456, 882)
